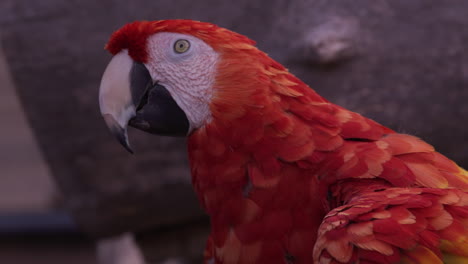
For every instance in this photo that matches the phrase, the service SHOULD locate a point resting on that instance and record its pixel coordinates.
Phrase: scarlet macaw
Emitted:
(285, 175)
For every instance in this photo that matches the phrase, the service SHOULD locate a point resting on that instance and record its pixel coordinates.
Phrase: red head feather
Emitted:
(134, 36)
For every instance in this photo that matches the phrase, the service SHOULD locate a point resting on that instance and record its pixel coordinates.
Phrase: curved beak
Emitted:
(128, 95)
(115, 99)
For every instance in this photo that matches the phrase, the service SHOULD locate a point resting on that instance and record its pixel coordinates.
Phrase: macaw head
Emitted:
(172, 77)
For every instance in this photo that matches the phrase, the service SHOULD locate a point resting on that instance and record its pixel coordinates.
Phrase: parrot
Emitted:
(285, 175)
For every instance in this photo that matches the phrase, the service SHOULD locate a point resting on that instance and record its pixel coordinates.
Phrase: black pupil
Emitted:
(182, 46)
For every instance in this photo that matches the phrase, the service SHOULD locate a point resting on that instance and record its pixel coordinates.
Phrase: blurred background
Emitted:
(70, 194)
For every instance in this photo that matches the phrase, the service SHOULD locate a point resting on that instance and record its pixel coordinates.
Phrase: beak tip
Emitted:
(128, 148)
(124, 142)
(119, 132)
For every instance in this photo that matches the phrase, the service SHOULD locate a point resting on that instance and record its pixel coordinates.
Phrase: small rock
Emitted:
(332, 41)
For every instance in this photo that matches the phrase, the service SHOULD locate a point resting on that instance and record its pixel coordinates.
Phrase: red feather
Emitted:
(288, 177)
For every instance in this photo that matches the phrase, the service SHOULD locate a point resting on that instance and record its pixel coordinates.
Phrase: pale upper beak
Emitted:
(128, 95)
(115, 99)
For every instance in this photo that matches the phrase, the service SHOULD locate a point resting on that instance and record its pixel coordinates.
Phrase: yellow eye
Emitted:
(181, 46)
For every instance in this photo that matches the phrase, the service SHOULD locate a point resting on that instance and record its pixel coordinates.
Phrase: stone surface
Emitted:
(25, 181)
(409, 71)
(121, 249)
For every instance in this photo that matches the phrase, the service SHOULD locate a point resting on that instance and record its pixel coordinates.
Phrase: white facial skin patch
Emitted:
(188, 75)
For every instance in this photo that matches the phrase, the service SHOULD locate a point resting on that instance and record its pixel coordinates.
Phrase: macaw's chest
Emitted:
(260, 208)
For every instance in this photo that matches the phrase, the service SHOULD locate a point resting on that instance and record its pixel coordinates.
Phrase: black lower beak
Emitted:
(158, 113)
(156, 110)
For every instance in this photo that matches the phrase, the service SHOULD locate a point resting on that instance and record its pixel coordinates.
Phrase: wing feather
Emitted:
(389, 224)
